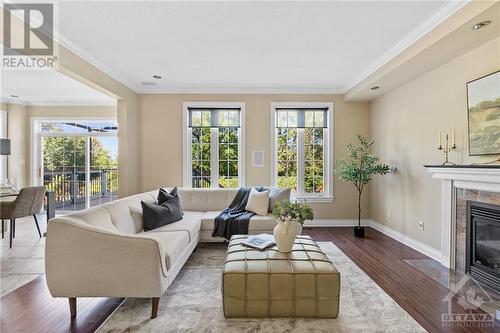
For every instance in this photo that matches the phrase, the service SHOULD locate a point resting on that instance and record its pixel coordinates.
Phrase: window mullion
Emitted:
(326, 166)
(214, 157)
(300, 161)
(240, 160)
(189, 158)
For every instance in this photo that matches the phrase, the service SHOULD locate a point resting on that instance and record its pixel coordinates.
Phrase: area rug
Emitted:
(193, 303)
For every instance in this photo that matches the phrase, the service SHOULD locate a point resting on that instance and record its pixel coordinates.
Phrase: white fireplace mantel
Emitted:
(482, 178)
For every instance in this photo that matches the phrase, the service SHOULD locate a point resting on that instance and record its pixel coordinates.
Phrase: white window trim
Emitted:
(328, 145)
(186, 134)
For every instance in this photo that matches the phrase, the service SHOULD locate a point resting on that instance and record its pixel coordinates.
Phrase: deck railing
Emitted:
(71, 186)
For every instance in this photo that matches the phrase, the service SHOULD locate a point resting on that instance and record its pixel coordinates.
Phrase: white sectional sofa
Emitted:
(104, 252)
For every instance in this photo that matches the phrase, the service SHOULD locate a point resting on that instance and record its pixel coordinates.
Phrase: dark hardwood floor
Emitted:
(30, 308)
(384, 260)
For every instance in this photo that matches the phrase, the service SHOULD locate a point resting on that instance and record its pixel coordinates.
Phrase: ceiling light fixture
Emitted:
(375, 88)
(157, 77)
(481, 25)
(13, 96)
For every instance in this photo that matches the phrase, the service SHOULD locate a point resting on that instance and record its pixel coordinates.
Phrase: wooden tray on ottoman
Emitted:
(258, 284)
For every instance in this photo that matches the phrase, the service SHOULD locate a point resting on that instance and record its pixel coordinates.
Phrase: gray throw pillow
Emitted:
(278, 194)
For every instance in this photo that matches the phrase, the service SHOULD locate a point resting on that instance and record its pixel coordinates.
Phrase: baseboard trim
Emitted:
(322, 223)
(408, 241)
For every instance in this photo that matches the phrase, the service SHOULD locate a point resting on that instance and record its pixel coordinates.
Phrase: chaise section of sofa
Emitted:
(104, 252)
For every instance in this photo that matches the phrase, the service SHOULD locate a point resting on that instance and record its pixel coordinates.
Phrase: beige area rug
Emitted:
(193, 303)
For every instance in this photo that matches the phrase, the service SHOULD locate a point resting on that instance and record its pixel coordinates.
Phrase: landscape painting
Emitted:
(483, 105)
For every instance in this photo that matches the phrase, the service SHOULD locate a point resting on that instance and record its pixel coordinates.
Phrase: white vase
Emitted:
(284, 235)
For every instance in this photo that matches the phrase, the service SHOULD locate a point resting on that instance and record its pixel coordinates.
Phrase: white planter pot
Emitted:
(284, 235)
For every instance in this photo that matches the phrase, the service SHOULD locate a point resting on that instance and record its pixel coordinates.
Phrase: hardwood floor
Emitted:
(31, 308)
(384, 260)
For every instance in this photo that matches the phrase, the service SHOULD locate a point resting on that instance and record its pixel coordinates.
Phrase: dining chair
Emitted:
(29, 202)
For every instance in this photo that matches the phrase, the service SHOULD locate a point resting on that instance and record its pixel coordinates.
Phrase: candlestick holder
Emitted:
(446, 149)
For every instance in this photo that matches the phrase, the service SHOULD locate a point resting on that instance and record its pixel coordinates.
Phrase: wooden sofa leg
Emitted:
(72, 306)
(154, 307)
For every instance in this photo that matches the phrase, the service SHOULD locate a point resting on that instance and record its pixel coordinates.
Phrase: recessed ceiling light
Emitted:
(157, 77)
(374, 88)
(480, 25)
(14, 96)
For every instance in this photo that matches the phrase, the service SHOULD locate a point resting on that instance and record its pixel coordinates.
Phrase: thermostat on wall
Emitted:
(258, 158)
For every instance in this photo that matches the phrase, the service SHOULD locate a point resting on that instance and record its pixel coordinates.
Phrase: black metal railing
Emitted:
(70, 187)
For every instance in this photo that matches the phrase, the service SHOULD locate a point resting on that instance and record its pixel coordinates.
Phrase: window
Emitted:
(77, 159)
(301, 149)
(213, 149)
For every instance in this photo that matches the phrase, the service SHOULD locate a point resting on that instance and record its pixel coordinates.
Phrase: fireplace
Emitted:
(483, 243)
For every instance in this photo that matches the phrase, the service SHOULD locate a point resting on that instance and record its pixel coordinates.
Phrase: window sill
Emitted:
(312, 199)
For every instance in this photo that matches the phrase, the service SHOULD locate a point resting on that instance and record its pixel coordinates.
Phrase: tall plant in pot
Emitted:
(287, 213)
(358, 169)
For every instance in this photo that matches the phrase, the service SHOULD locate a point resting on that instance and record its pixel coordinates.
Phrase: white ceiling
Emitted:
(216, 47)
(48, 87)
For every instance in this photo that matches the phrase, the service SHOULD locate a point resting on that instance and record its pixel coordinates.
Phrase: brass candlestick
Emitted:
(446, 149)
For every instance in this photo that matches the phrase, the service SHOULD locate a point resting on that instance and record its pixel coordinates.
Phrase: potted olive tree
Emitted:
(358, 169)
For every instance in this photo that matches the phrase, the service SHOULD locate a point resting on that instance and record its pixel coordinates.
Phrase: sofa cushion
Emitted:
(264, 223)
(171, 197)
(190, 223)
(205, 199)
(126, 213)
(258, 202)
(95, 216)
(155, 216)
(172, 243)
(207, 220)
(277, 195)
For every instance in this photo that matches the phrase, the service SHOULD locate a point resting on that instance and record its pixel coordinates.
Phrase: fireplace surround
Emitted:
(483, 243)
(460, 183)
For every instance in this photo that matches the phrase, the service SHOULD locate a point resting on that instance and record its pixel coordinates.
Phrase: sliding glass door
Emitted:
(78, 161)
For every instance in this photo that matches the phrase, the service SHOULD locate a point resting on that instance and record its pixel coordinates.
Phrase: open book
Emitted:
(260, 242)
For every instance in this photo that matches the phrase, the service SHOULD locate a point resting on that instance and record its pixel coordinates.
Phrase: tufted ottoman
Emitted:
(302, 283)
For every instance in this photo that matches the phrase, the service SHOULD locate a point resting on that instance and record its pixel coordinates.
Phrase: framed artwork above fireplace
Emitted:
(483, 111)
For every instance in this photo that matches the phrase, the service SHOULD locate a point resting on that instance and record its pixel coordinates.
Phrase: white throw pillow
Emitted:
(258, 202)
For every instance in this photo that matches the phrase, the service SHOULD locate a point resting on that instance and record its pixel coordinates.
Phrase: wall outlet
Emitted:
(421, 225)
(389, 214)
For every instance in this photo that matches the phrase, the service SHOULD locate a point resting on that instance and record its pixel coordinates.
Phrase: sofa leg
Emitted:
(72, 306)
(154, 307)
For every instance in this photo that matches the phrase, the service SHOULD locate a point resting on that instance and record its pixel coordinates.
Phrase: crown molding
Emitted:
(422, 30)
(58, 103)
(237, 90)
(63, 41)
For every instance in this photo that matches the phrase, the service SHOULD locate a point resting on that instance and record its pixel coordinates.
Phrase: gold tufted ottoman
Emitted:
(257, 284)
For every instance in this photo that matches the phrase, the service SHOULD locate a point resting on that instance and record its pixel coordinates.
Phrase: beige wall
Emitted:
(77, 68)
(161, 140)
(16, 132)
(405, 124)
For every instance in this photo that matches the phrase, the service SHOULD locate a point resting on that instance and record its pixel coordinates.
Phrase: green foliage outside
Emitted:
(287, 159)
(359, 167)
(286, 211)
(63, 155)
(228, 157)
